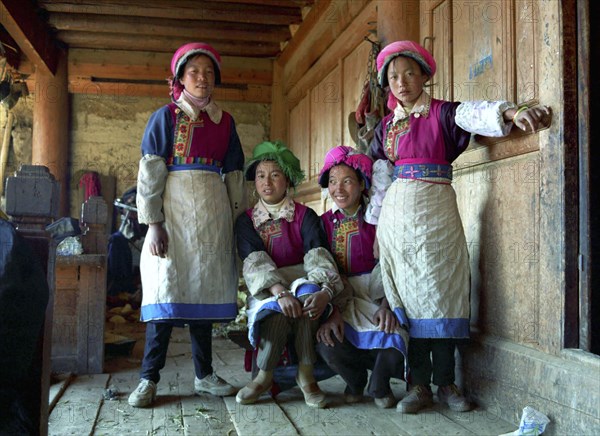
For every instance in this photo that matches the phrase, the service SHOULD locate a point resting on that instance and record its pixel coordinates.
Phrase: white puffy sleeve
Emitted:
(484, 117)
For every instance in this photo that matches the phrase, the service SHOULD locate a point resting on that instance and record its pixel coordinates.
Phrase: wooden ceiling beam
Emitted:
(124, 65)
(164, 44)
(343, 45)
(327, 20)
(31, 34)
(194, 30)
(275, 3)
(192, 10)
(251, 93)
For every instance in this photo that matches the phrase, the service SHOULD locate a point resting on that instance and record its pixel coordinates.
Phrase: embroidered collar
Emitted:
(421, 108)
(261, 215)
(213, 111)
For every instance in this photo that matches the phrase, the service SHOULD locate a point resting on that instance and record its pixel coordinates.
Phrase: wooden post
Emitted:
(50, 146)
(398, 20)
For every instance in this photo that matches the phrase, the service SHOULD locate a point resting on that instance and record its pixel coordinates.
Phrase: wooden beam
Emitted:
(119, 64)
(160, 43)
(191, 29)
(340, 48)
(192, 10)
(253, 93)
(316, 14)
(284, 3)
(31, 34)
(322, 28)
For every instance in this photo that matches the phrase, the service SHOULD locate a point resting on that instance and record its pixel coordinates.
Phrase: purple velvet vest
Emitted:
(283, 240)
(416, 139)
(351, 240)
(199, 141)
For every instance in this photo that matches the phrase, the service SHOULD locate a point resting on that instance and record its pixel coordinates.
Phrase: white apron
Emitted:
(424, 259)
(198, 279)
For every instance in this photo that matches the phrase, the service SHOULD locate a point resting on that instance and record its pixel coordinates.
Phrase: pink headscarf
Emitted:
(186, 52)
(409, 49)
(349, 156)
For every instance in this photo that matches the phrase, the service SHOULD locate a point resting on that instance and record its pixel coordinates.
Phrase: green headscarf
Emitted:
(278, 152)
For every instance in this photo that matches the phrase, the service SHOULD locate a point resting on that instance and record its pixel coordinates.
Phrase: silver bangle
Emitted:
(328, 290)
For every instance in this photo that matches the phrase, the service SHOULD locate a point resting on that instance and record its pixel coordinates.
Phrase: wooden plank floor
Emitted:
(86, 407)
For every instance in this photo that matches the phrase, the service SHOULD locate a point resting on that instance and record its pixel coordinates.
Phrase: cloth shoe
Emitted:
(313, 395)
(214, 385)
(251, 392)
(452, 396)
(418, 398)
(144, 395)
(386, 402)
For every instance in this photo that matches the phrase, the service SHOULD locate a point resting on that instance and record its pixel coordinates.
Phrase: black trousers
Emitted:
(157, 343)
(431, 356)
(351, 364)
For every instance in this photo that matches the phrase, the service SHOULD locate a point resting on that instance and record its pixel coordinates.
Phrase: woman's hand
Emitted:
(158, 240)
(290, 306)
(334, 325)
(532, 116)
(315, 304)
(385, 319)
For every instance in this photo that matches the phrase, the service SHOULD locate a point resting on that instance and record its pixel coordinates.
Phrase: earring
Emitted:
(255, 194)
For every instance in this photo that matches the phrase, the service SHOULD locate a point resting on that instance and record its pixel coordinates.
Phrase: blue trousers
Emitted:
(157, 343)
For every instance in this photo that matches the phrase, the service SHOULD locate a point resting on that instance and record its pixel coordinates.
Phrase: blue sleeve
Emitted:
(234, 159)
(247, 238)
(312, 231)
(455, 138)
(158, 137)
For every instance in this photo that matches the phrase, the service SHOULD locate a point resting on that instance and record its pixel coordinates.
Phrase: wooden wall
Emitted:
(517, 195)
(316, 103)
(497, 181)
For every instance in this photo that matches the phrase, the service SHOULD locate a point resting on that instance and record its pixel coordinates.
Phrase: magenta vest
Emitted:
(351, 240)
(416, 139)
(283, 239)
(199, 141)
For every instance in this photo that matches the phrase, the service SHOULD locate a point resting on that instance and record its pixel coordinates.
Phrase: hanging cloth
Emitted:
(91, 182)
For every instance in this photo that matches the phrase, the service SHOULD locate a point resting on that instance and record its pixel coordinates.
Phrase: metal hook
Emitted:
(432, 38)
